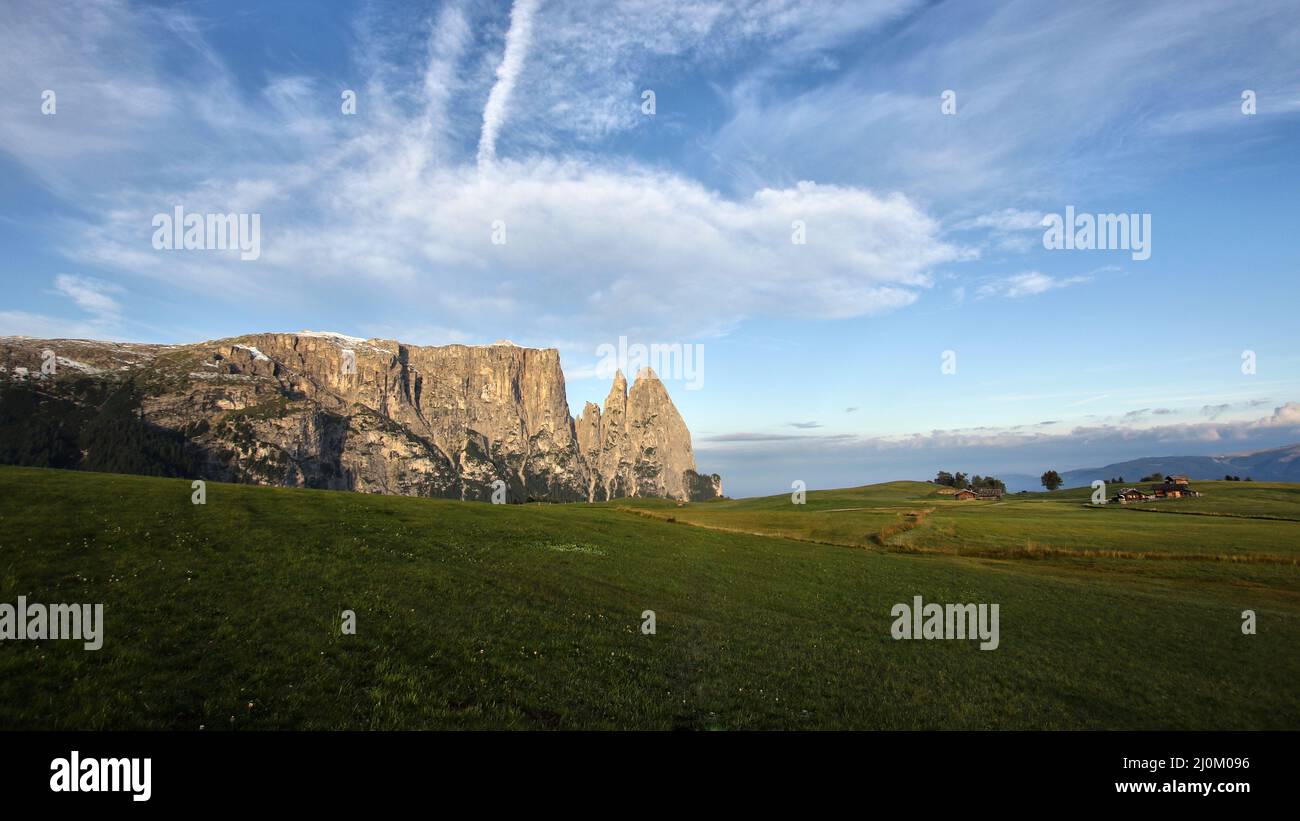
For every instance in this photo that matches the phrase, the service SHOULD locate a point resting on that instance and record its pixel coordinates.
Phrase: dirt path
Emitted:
(1030, 551)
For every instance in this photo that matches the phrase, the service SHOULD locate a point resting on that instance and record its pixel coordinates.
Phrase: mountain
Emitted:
(1273, 465)
(331, 411)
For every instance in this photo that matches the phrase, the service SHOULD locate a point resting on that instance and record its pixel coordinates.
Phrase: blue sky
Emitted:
(922, 228)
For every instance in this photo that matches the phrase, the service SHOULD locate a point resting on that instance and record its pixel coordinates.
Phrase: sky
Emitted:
(836, 213)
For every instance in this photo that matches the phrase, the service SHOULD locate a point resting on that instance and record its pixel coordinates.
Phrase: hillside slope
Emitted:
(1273, 465)
(227, 616)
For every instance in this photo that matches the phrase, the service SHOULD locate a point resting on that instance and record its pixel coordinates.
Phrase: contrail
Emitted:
(512, 62)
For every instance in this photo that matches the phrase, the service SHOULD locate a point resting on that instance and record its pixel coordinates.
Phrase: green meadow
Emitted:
(1232, 521)
(227, 615)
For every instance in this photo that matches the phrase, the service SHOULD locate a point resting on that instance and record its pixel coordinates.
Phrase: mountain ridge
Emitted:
(321, 409)
(1280, 464)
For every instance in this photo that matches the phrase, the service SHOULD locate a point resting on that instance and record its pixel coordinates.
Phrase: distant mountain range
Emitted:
(1273, 465)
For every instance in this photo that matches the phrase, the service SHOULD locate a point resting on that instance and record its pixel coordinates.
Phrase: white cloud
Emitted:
(25, 323)
(628, 250)
(1285, 419)
(391, 205)
(90, 295)
(1029, 283)
(386, 209)
(1284, 416)
(1004, 221)
(594, 58)
(1008, 229)
(1118, 74)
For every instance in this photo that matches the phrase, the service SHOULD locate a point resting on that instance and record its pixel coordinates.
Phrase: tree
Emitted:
(960, 481)
(990, 482)
(1051, 480)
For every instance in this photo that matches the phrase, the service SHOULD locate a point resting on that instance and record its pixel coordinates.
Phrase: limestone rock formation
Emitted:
(330, 411)
(640, 445)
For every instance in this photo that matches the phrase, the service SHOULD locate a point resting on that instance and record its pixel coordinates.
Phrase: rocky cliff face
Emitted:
(640, 445)
(324, 410)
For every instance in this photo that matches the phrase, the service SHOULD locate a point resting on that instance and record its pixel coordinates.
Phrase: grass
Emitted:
(469, 615)
(916, 516)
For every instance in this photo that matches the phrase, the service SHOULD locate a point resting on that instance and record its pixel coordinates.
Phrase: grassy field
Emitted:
(1238, 521)
(226, 615)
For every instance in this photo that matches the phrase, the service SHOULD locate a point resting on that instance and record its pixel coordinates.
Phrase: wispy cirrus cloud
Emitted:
(1012, 132)
(386, 204)
(1008, 229)
(593, 60)
(94, 296)
(1028, 283)
(97, 311)
(1005, 221)
(360, 203)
